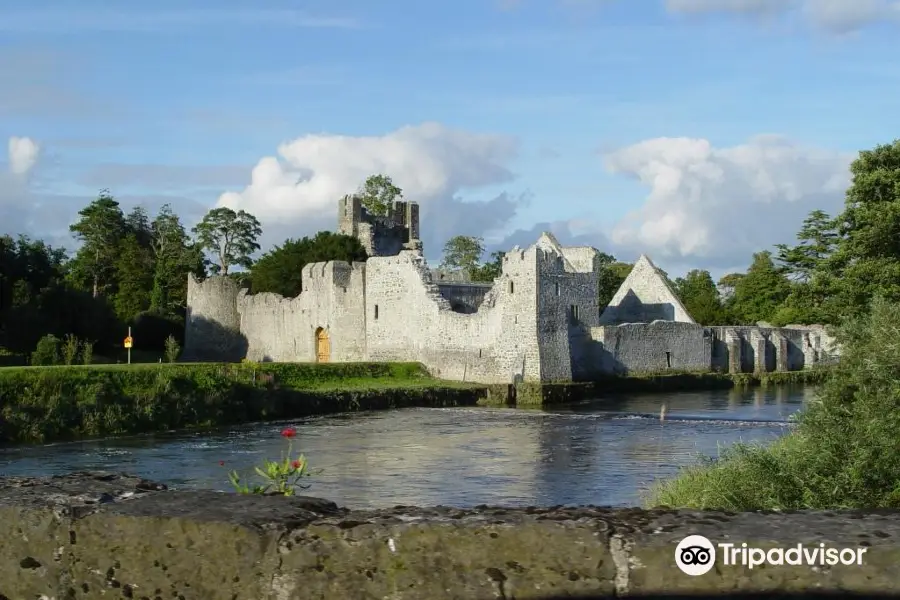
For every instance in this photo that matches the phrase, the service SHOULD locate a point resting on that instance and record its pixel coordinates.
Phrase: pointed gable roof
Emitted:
(548, 241)
(650, 287)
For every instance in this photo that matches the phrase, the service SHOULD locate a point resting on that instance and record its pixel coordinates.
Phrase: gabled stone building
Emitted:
(539, 321)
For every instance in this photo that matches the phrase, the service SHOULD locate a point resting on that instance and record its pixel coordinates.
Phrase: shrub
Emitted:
(47, 351)
(87, 352)
(843, 453)
(172, 349)
(150, 330)
(70, 349)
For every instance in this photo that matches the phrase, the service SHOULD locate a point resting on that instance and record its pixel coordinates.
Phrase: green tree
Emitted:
(759, 294)
(698, 293)
(818, 241)
(229, 236)
(611, 277)
(100, 230)
(138, 223)
(489, 271)
(378, 194)
(727, 284)
(134, 273)
(463, 253)
(174, 257)
(866, 262)
(280, 270)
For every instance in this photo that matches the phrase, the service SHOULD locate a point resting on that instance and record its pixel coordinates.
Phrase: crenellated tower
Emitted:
(386, 235)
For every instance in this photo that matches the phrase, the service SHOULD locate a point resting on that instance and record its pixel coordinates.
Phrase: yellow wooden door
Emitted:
(323, 346)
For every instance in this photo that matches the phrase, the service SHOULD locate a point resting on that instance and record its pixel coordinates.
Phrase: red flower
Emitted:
(221, 463)
(289, 432)
(295, 465)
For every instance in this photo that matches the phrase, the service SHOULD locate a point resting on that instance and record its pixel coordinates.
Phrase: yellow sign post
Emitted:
(128, 343)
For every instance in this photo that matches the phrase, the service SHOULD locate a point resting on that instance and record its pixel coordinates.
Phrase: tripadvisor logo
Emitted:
(696, 555)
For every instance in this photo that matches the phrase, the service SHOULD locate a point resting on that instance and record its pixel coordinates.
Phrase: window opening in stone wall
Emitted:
(573, 312)
(376, 311)
(557, 288)
(511, 287)
(668, 360)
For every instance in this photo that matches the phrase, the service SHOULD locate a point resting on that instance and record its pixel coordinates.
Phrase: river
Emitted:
(604, 452)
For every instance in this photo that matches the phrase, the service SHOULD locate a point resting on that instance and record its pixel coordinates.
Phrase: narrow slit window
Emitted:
(557, 288)
(376, 311)
(668, 360)
(511, 287)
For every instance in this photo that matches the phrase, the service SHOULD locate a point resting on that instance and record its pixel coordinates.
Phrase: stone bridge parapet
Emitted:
(100, 535)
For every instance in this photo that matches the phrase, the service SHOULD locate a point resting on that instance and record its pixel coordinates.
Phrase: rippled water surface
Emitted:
(604, 452)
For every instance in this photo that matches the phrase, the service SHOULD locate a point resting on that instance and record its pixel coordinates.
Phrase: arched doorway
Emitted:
(323, 346)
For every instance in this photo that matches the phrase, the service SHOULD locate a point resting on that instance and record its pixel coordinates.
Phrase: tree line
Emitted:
(130, 270)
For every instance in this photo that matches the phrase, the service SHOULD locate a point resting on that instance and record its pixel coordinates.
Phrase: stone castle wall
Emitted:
(284, 329)
(664, 345)
(415, 322)
(539, 321)
(380, 235)
(213, 323)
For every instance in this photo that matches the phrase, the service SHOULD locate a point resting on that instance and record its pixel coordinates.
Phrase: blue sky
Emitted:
(697, 131)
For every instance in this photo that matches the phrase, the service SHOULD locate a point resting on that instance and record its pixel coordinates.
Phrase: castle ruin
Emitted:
(539, 321)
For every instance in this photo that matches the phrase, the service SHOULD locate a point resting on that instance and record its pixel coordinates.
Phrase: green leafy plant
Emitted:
(281, 477)
(87, 352)
(70, 349)
(47, 351)
(172, 349)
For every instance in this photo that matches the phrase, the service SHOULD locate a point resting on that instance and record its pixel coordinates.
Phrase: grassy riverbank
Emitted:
(40, 404)
(844, 452)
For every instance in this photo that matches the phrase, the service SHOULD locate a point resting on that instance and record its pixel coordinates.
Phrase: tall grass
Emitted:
(844, 452)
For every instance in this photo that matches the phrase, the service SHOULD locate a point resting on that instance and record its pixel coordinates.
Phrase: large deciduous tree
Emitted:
(463, 253)
(378, 194)
(611, 277)
(231, 237)
(697, 291)
(760, 292)
(489, 271)
(866, 261)
(280, 270)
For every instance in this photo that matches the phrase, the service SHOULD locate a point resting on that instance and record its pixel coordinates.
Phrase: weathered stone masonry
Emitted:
(540, 320)
(87, 536)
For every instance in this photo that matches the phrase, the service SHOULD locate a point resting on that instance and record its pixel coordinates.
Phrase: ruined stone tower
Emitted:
(381, 235)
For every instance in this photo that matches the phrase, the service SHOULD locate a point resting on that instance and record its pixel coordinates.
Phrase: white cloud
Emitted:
(711, 206)
(23, 154)
(296, 193)
(836, 15)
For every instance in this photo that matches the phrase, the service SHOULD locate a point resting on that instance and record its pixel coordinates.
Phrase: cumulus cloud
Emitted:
(837, 15)
(296, 192)
(711, 206)
(23, 154)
